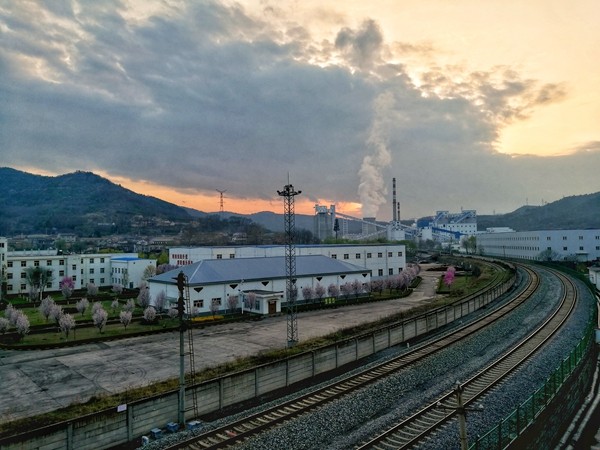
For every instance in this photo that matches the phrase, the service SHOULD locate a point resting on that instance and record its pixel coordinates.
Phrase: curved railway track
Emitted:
(422, 424)
(243, 429)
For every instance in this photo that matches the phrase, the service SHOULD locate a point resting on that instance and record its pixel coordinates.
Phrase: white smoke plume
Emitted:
(372, 190)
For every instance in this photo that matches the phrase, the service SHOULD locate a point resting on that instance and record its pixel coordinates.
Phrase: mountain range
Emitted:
(87, 204)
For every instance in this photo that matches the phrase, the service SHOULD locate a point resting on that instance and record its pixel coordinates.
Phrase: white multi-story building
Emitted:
(381, 259)
(95, 268)
(128, 271)
(579, 245)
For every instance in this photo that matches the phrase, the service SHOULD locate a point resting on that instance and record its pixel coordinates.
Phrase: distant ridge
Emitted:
(78, 202)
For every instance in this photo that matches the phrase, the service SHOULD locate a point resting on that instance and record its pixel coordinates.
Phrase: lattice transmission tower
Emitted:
(288, 193)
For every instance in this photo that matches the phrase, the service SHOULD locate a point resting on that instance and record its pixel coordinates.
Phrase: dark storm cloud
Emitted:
(207, 96)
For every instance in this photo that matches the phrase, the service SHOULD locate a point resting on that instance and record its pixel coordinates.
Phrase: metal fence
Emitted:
(511, 427)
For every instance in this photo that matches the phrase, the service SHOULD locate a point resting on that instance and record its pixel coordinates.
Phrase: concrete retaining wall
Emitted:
(109, 428)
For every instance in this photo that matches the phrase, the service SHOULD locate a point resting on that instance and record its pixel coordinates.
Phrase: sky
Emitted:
(486, 105)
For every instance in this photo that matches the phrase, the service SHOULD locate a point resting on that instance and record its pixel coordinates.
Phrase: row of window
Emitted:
(61, 262)
(369, 255)
(23, 286)
(533, 238)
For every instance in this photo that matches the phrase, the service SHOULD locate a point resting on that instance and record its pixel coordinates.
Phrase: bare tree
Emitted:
(125, 318)
(99, 317)
(82, 305)
(66, 324)
(214, 307)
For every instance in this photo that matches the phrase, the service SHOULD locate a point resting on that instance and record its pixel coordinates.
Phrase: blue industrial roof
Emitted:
(218, 271)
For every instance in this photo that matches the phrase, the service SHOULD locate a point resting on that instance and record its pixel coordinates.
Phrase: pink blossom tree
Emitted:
(56, 311)
(66, 324)
(149, 314)
(251, 300)
(67, 286)
(99, 317)
(449, 276)
(333, 290)
(21, 324)
(45, 307)
(82, 305)
(129, 305)
(4, 325)
(320, 291)
(143, 297)
(307, 292)
(377, 286)
(346, 289)
(160, 301)
(125, 318)
(117, 288)
(232, 302)
(356, 287)
(92, 289)
(10, 313)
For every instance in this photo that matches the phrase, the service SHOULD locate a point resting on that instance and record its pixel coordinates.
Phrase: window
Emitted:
(49, 262)
(23, 264)
(198, 303)
(9, 264)
(61, 262)
(101, 269)
(9, 275)
(216, 301)
(101, 280)
(231, 255)
(380, 272)
(391, 271)
(389, 254)
(10, 287)
(74, 267)
(49, 284)
(91, 260)
(369, 255)
(74, 277)
(36, 264)
(358, 256)
(548, 238)
(101, 260)
(23, 287)
(219, 256)
(91, 270)
(61, 273)
(346, 256)
(334, 256)
(564, 238)
(581, 248)
(92, 280)
(581, 238)
(380, 255)
(399, 253)
(23, 276)
(565, 249)
(81, 271)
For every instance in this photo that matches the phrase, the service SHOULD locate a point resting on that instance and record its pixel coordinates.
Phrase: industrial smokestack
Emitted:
(394, 199)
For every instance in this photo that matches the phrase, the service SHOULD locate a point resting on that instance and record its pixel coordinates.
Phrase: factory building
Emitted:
(381, 259)
(555, 245)
(226, 284)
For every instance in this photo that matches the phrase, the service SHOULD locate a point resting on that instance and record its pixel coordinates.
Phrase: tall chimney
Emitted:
(394, 199)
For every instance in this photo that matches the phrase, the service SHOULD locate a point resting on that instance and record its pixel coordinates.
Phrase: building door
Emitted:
(272, 306)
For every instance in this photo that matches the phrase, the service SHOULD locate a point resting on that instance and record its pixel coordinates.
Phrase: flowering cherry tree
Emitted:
(320, 291)
(99, 317)
(66, 324)
(125, 318)
(67, 286)
(143, 297)
(82, 305)
(333, 290)
(21, 324)
(92, 289)
(4, 324)
(307, 292)
(449, 276)
(45, 307)
(149, 314)
(129, 305)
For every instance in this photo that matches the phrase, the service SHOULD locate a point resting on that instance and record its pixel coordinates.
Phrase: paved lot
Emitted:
(34, 382)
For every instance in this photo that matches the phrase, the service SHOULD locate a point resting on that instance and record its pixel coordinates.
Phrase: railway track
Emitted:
(425, 422)
(243, 429)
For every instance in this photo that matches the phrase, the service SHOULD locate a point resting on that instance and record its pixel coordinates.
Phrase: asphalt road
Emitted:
(34, 382)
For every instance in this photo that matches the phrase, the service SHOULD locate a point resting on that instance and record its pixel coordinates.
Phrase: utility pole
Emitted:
(288, 193)
(180, 310)
(461, 411)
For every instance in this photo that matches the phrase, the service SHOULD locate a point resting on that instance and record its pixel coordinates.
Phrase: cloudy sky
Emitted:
(486, 105)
